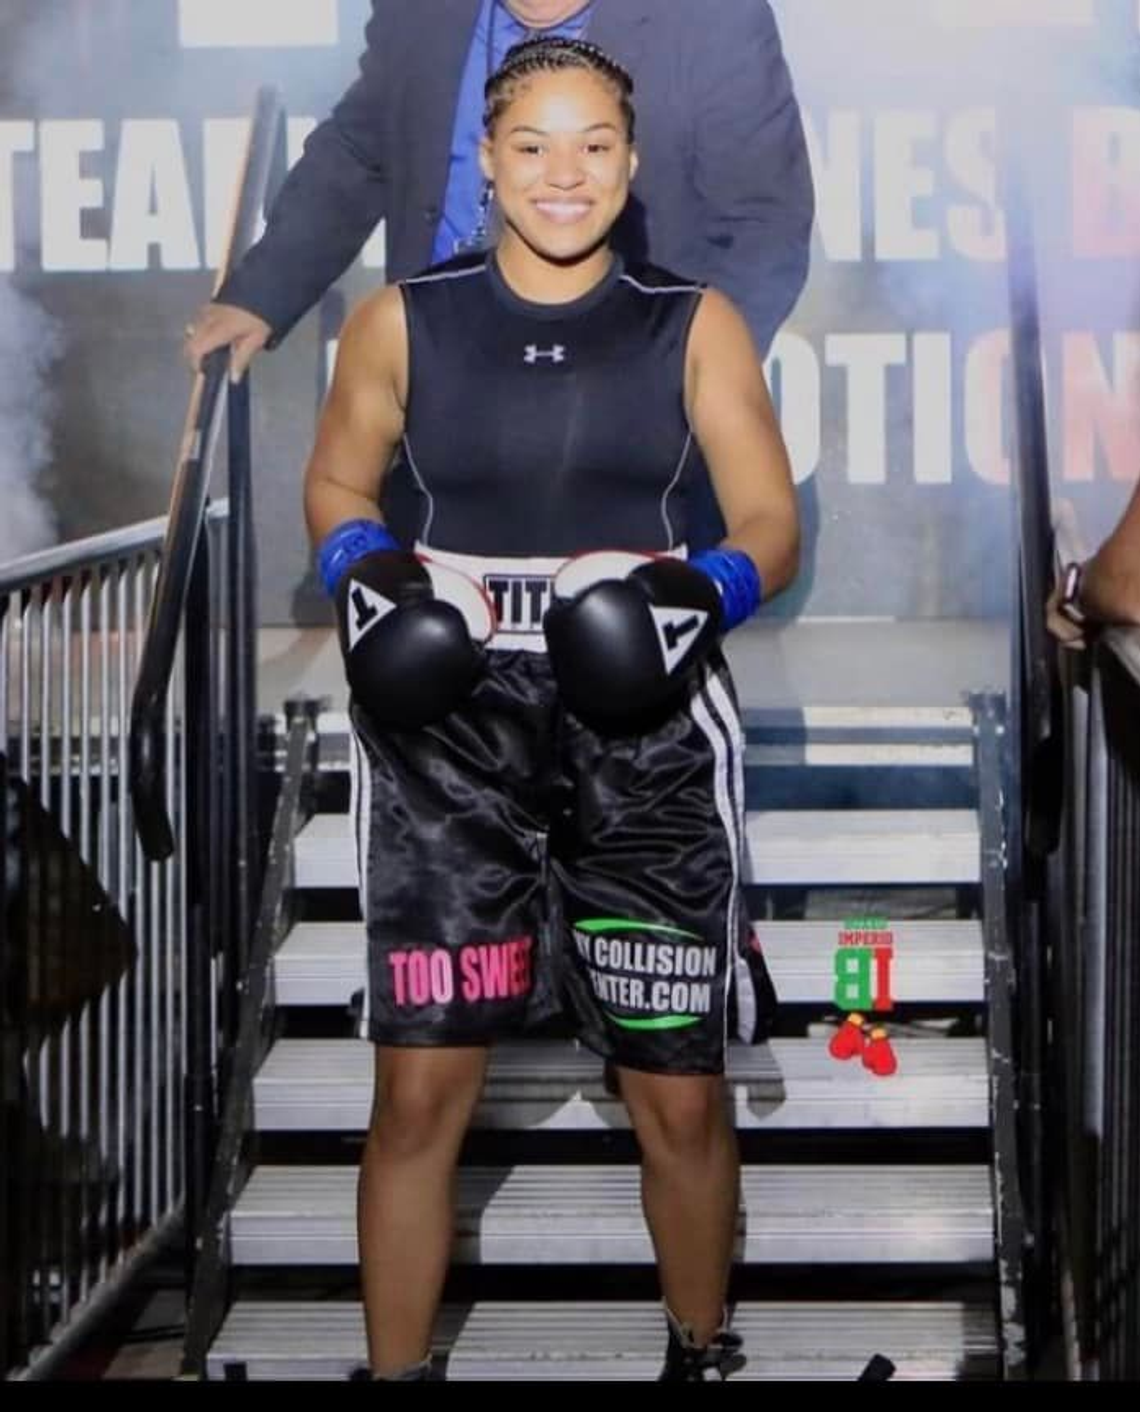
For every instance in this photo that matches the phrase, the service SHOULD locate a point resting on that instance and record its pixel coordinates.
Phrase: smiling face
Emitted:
(560, 159)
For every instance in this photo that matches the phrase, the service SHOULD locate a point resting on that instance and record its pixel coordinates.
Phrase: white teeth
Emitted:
(562, 210)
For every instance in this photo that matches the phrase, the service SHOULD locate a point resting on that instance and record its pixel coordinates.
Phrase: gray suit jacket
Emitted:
(724, 191)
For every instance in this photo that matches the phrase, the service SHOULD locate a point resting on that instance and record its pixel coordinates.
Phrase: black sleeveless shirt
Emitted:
(548, 429)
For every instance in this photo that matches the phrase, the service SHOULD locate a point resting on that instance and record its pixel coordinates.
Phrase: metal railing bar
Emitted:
(206, 1297)
(191, 486)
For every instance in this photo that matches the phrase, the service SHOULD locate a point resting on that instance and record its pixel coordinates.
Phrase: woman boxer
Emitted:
(549, 786)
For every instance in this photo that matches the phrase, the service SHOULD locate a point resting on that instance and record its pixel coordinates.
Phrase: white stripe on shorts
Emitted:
(745, 990)
(725, 737)
(360, 811)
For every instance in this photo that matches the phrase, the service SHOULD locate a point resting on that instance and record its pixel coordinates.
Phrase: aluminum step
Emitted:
(816, 1341)
(326, 1085)
(905, 722)
(867, 847)
(322, 963)
(573, 1215)
(854, 739)
(896, 722)
(599, 1342)
(862, 755)
(305, 1340)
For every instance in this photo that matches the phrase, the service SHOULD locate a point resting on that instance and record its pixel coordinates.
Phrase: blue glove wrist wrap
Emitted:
(737, 580)
(347, 543)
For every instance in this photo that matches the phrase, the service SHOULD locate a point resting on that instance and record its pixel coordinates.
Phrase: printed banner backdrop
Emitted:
(120, 128)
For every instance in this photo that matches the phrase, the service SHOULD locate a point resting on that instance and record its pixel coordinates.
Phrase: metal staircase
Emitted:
(868, 1219)
(878, 1214)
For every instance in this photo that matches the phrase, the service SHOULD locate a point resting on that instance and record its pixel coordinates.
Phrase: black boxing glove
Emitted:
(625, 632)
(411, 631)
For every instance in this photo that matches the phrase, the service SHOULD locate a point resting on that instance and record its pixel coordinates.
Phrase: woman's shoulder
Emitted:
(375, 330)
(376, 310)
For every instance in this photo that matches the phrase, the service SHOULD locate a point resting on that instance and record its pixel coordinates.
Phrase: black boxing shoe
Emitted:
(688, 1362)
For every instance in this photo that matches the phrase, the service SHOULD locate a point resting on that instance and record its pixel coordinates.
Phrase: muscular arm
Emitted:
(363, 418)
(1110, 586)
(751, 164)
(735, 425)
(327, 208)
(1110, 590)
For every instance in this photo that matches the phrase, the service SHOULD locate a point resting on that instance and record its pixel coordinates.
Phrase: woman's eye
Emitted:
(594, 148)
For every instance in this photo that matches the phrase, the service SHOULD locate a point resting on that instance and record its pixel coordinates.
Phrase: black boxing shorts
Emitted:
(516, 864)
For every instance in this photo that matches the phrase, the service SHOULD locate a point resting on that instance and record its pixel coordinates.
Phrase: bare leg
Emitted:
(423, 1103)
(690, 1181)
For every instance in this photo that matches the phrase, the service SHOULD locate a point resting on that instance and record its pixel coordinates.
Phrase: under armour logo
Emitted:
(532, 353)
(676, 628)
(367, 608)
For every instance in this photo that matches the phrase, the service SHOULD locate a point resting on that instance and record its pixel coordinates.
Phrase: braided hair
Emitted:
(542, 54)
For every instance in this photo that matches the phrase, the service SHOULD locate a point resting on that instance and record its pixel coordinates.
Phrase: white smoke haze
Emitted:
(30, 339)
(1032, 64)
(30, 342)
(940, 51)
(1031, 61)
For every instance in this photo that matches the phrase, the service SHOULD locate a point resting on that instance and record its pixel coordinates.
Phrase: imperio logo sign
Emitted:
(864, 962)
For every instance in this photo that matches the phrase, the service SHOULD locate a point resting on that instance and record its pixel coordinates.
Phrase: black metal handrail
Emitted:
(990, 714)
(1035, 665)
(205, 599)
(1034, 761)
(1117, 891)
(1095, 979)
(188, 506)
(187, 510)
(93, 941)
(208, 1289)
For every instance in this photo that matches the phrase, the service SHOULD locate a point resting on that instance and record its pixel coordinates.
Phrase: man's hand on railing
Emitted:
(1068, 633)
(1099, 590)
(226, 326)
